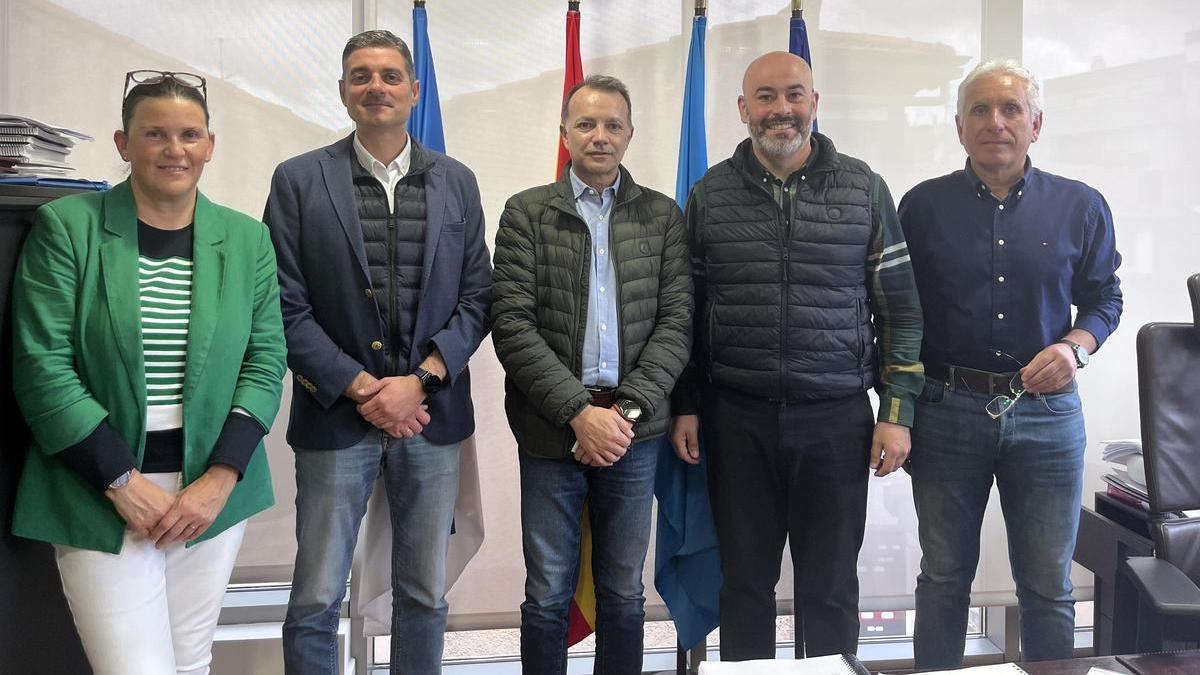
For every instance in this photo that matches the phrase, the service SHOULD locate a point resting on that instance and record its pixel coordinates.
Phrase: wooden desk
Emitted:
(1076, 666)
(1165, 663)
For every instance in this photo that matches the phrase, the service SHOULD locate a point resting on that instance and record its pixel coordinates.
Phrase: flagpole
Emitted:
(798, 38)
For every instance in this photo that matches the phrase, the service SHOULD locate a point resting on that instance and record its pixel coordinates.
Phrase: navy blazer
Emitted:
(331, 321)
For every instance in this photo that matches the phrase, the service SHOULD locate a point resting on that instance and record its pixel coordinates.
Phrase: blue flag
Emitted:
(687, 566)
(798, 44)
(693, 146)
(425, 122)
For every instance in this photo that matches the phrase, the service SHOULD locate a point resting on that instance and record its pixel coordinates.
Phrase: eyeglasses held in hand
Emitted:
(155, 76)
(1003, 403)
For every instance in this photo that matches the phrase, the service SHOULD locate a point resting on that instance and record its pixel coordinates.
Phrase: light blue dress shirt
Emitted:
(602, 337)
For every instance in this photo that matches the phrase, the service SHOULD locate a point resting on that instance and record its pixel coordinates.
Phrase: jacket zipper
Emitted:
(785, 282)
(393, 354)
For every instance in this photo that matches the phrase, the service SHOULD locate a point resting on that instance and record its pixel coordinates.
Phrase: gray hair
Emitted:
(606, 83)
(379, 38)
(1033, 88)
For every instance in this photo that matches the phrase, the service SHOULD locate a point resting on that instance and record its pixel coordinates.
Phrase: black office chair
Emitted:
(1168, 585)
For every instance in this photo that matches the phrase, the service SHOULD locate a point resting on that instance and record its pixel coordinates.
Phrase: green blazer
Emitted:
(78, 356)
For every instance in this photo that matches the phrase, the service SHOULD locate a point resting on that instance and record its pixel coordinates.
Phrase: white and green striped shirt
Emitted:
(166, 300)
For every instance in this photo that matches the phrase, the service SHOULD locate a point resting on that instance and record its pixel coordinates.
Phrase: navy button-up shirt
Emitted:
(998, 278)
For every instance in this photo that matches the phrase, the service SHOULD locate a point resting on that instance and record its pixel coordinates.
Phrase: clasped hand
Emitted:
(603, 436)
(395, 405)
(154, 513)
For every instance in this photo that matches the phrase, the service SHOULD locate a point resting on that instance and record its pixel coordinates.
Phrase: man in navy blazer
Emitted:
(385, 283)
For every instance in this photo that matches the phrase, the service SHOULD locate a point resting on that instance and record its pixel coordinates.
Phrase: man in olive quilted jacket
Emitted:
(592, 321)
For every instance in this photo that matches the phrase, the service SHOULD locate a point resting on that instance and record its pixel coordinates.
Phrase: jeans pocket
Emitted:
(934, 393)
(1062, 404)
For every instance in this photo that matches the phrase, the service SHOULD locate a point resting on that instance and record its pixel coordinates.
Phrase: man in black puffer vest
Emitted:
(804, 300)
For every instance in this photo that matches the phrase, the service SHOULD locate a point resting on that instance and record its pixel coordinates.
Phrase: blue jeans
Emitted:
(1035, 453)
(618, 499)
(332, 489)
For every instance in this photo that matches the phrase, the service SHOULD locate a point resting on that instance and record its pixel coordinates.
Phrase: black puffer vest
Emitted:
(787, 314)
(395, 246)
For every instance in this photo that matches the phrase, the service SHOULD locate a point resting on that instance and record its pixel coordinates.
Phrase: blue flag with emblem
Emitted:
(687, 566)
(425, 122)
(798, 43)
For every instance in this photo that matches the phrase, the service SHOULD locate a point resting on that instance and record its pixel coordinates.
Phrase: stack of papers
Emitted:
(32, 148)
(1120, 450)
(1127, 479)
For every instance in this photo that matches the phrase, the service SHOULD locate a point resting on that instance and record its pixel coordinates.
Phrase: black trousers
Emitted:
(795, 471)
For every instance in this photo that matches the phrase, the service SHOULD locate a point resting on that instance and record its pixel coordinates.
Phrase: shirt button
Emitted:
(377, 345)
(1000, 315)
(1000, 279)
(601, 289)
(1001, 207)
(603, 326)
(368, 292)
(1001, 242)
(601, 251)
(604, 364)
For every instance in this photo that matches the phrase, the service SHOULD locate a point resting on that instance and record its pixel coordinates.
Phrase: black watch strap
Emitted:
(430, 383)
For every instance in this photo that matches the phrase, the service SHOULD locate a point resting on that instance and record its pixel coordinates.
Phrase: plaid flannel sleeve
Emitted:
(896, 311)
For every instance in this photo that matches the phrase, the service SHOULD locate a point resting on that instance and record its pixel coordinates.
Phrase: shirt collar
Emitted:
(578, 187)
(399, 166)
(980, 187)
(763, 172)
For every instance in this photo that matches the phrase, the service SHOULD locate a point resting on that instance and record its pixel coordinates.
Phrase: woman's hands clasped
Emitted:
(152, 512)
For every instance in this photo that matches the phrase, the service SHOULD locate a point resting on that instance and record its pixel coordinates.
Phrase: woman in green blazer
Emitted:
(149, 357)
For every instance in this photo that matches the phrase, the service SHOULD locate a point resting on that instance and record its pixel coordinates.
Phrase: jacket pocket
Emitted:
(710, 325)
(858, 330)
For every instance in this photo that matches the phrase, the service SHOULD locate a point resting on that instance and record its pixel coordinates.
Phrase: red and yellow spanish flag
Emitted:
(582, 618)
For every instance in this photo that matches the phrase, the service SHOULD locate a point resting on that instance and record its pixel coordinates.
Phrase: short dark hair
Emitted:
(167, 87)
(385, 39)
(606, 83)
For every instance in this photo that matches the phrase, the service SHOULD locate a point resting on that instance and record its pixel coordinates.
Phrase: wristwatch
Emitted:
(121, 481)
(629, 409)
(1081, 353)
(430, 383)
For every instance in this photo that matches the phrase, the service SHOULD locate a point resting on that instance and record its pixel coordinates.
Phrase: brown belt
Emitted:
(977, 381)
(603, 397)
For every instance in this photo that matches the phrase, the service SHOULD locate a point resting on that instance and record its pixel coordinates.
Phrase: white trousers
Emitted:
(147, 611)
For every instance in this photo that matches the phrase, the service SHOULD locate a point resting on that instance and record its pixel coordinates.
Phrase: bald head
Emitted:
(774, 65)
(777, 105)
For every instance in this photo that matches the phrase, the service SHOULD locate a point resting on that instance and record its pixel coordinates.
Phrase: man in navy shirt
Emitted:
(1001, 251)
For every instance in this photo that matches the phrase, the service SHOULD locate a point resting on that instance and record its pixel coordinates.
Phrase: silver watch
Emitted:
(121, 481)
(630, 410)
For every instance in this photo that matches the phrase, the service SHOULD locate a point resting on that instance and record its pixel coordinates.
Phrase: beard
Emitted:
(779, 147)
